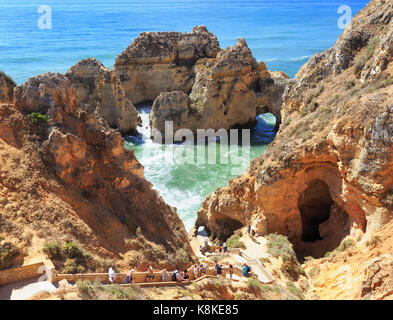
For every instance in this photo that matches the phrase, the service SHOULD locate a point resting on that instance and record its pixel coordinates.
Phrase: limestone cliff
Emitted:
(65, 174)
(328, 174)
(163, 61)
(98, 86)
(226, 93)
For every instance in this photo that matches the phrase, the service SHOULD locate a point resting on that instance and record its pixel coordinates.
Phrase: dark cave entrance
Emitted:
(314, 205)
(324, 222)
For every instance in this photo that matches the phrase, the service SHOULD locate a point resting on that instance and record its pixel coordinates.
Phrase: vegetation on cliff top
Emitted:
(8, 79)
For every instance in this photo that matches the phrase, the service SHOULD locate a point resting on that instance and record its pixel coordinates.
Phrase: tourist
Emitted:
(196, 271)
(150, 274)
(112, 275)
(245, 270)
(130, 276)
(202, 268)
(218, 268)
(179, 277)
(253, 232)
(174, 274)
(249, 229)
(185, 275)
(225, 247)
(164, 276)
(230, 271)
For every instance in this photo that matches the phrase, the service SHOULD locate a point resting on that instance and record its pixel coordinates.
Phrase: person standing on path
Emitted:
(230, 271)
(112, 275)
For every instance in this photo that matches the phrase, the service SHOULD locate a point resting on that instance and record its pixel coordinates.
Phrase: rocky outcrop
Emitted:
(98, 86)
(7, 86)
(226, 93)
(163, 61)
(69, 174)
(176, 107)
(378, 280)
(369, 33)
(40, 93)
(328, 172)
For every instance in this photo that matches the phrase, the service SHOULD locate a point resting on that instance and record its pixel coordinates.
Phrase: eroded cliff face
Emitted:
(98, 86)
(7, 86)
(163, 61)
(226, 93)
(66, 174)
(328, 173)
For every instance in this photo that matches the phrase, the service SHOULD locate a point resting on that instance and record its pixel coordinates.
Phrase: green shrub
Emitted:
(264, 289)
(350, 84)
(86, 289)
(37, 117)
(374, 241)
(346, 244)
(8, 253)
(235, 242)
(71, 250)
(372, 44)
(279, 246)
(327, 254)
(182, 257)
(70, 266)
(293, 289)
(52, 250)
(8, 79)
(314, 271)
(360, 65)
(253, 283)
(291, 267)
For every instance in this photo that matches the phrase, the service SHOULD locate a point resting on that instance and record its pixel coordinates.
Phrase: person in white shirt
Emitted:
(112, 275)
(196, 271)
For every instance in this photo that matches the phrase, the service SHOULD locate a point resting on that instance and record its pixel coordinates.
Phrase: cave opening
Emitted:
(324, 222)
(314, 204)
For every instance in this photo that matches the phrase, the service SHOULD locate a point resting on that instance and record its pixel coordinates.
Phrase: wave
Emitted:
(300, 58)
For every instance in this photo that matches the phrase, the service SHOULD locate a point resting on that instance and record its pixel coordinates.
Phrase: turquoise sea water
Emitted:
(284, 34)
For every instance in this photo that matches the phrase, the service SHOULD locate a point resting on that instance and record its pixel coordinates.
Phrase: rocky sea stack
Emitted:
(163, 61)
(225, 94)
(196, 84)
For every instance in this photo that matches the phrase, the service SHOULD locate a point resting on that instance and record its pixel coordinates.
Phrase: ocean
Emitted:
(284, 34)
